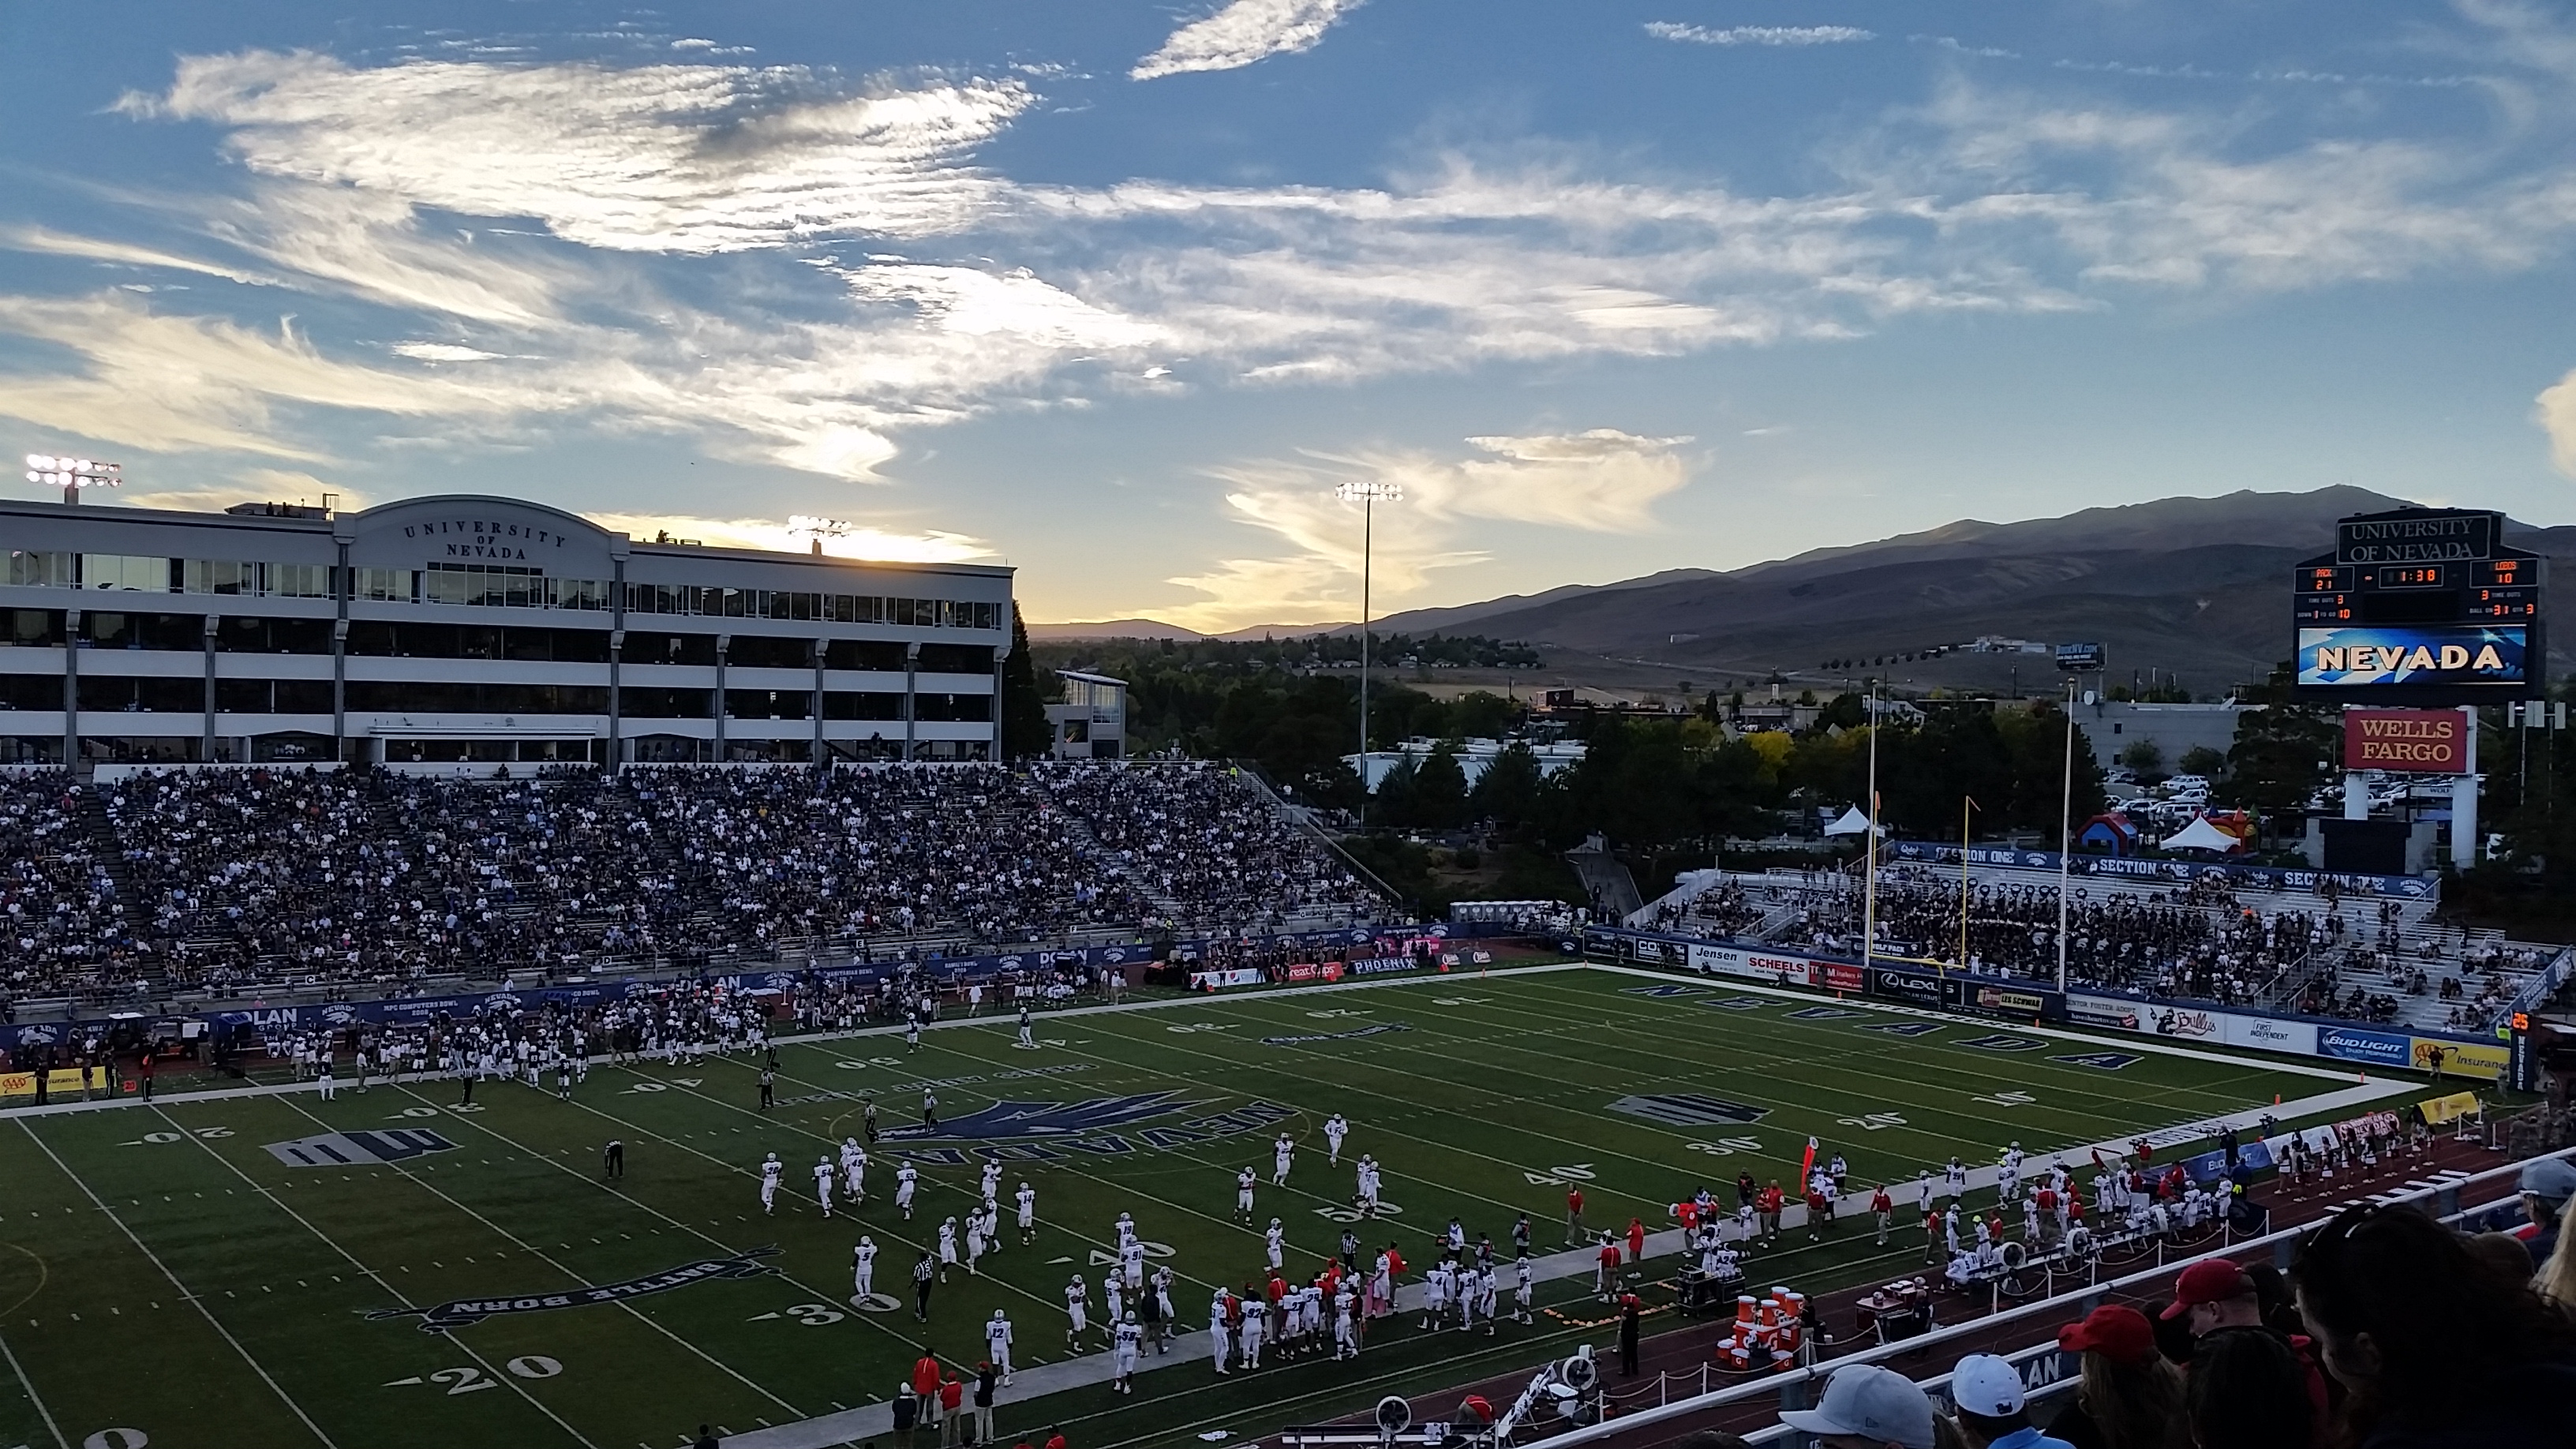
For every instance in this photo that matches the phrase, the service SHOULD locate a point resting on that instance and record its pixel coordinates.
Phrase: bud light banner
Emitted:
(2361, 1044)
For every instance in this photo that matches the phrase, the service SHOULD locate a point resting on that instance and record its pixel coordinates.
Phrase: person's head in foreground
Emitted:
(2431, 1344)
(1867, 1407)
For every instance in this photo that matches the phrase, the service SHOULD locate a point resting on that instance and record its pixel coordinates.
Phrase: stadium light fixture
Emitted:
(73, 474)
(1367, 493)
(809, 526)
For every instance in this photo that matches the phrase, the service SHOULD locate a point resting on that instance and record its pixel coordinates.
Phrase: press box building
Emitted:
(472, 629)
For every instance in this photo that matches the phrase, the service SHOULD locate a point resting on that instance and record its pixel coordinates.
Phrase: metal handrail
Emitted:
(1791, 1387)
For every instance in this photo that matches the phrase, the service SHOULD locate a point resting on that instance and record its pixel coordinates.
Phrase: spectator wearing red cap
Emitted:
(2215, 1296)
(2130, 1396)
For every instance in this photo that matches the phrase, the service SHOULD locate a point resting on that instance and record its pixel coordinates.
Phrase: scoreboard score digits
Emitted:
(2419, 606)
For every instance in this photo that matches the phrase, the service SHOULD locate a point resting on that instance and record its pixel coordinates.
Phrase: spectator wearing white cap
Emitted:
(2546, 1186)
(1993, 1410)
(1867, 1407)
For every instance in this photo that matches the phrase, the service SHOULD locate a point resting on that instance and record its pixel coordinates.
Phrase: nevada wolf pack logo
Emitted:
(1046, 1119)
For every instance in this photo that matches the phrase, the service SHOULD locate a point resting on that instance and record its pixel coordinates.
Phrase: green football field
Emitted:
(167, 1279)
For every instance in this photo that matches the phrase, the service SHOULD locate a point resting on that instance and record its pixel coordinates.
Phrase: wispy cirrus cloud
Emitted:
(1243, 32)
(1602, 480)
(1758, 34)
(665, 158)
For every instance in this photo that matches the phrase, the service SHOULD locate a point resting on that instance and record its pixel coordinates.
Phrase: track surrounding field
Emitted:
(167, 1279)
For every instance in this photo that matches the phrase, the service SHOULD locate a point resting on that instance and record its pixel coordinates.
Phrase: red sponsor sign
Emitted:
(1332, 971)
(2421, 741)
(1301, 971)
(1837, 975)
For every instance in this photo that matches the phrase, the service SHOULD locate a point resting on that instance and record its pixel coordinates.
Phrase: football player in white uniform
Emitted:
(997, 1339)
(1077, 1312)
(1277, 1239)
(906, 1178)
(770, 1168)
(1243, 1183)
(1282, 1153)
(1127, 1339)
(823, 1184)
(863, 1268)
(1027, 1197)
(1335, 1129)
(854, 1168)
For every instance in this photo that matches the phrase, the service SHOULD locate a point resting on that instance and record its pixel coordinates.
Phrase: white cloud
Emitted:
(1603, 481)
(1758, 34)
(673, 158)
(250, 485)
(1243, 32)
(443, 352)
(101, 249)
(2555, 409)
(884, 545)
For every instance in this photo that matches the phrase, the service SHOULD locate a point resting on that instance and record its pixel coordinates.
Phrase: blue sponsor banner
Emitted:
(2210, 1166)
(2361, 1044)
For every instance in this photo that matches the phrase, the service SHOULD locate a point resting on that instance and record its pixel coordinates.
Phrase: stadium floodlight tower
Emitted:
(1368, 493)
(73, 474)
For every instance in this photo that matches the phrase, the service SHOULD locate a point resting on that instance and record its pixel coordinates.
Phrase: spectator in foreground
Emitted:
(2129, 1396)
(1867, 1407)
(2215, 1297)
(2557, 1278)
(2438, 1352)
(2546, 1187)
(2248, 1391)
(1993, 1411)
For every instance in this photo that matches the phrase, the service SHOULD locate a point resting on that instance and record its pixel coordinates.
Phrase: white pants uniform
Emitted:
(863, 1278)
(1218, 1345)
(1000, 1347)
(768, 1194)
(1252, 1328)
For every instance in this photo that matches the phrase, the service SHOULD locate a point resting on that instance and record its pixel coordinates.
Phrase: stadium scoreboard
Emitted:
(2419, 606)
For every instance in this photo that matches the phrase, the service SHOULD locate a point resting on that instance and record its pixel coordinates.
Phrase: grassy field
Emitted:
(166, 1279)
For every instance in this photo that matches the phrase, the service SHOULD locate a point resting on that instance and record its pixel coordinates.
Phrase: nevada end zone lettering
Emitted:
(2424, 741)
(466, 1312)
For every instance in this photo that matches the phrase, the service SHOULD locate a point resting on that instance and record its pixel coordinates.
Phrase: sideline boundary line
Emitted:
(42, 1412)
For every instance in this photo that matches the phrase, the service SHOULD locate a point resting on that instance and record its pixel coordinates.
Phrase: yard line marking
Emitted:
(504, 1233)
(622, 1196)
(334, 1245)
(41, 1411)
(154, 1259)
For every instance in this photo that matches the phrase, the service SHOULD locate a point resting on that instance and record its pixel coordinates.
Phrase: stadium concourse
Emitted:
(2355, 958)
(235, 879)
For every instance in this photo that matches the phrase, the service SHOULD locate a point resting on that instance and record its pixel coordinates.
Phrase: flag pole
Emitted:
(1965, 803)
(1869, 852)
(2065, 834)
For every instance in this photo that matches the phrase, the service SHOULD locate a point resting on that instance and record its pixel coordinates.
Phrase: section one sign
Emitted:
(2420, 741)
(2361, 657)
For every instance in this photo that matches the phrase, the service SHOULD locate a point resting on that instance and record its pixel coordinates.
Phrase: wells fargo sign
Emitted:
(2426, 741)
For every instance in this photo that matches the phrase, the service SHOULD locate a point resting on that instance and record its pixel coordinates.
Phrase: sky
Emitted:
(1129, 296)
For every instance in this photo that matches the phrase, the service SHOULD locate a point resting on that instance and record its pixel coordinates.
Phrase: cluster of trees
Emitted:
(1654, 785)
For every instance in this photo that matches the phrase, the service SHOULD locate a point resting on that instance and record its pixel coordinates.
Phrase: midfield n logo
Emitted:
(360, 1149)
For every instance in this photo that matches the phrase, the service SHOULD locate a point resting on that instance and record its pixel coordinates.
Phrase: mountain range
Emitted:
(2195, 587)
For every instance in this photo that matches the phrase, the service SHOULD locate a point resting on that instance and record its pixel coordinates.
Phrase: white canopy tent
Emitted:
(1852, 822)
(2201, 835)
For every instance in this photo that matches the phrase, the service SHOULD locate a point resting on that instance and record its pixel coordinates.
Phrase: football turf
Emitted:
(165, 1274)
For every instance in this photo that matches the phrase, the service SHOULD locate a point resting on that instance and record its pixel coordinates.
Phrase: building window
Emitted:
(30, 691)
(124, 571)
(576, 594)
(414, 697)
(298, 581)
(861, 704)
(32, 628)
(273, 636)
(491, 586)
(111, 694)
(972, 708)
(103, 629)
(665, 703)
(956, 659)
(31, 568)
(769, 703)
(383, 586)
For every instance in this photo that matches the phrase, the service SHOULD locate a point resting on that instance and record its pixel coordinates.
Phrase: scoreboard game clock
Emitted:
(2419, 606)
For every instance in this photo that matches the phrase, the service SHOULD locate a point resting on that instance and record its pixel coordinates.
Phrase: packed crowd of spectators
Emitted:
(2203, 940)
(1195, 838)
(59, 916)
(228, 877)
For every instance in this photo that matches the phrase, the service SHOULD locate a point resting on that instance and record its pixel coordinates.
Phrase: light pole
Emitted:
(73, 474)
(1368, 493)
(2065, 834)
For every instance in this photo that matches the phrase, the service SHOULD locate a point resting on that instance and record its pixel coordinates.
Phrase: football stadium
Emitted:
(1287, 724)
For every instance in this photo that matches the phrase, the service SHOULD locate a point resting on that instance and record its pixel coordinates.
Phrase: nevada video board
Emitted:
(2419, 606)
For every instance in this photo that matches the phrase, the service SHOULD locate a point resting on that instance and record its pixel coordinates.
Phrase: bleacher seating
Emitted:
(234, 877)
